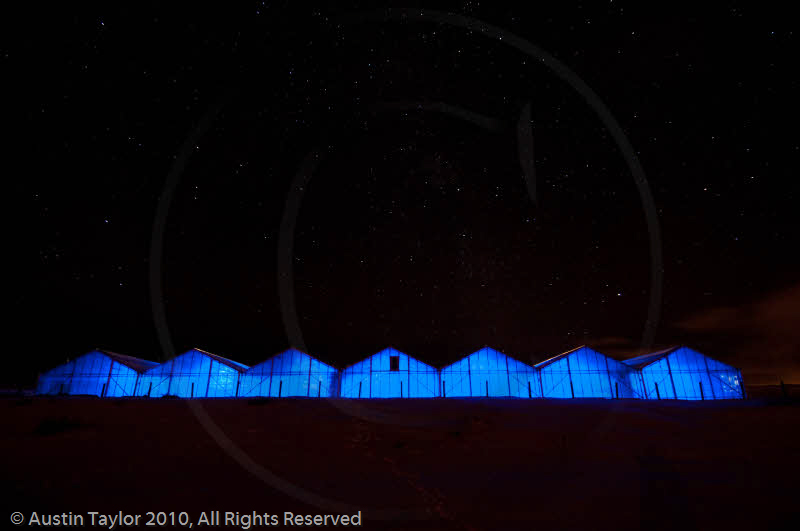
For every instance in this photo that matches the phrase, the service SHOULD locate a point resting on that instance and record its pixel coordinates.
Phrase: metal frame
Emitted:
(729, 379)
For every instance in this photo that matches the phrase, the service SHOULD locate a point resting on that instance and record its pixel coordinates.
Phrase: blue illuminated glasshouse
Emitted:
(195, 373)
(389, 374)
(675, 373)
(685, 374)
(488, 372)
(290, 373)
(585, 373)
(99, 373)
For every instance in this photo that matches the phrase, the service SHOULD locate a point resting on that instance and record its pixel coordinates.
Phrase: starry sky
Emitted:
(366, 181)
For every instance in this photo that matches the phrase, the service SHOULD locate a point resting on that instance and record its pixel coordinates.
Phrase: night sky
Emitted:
(416, 226)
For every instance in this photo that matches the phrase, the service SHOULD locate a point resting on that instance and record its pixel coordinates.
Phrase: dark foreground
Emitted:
(411, 464)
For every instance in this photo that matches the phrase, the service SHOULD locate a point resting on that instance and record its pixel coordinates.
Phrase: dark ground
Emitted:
(465, 463)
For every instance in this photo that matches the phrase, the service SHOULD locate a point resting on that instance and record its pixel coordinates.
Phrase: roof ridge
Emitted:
(548, 361)
(139, 365)
(231, 363)
(651, 357)
(298, 351)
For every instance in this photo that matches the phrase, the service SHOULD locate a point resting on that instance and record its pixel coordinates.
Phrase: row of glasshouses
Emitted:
(676, 373)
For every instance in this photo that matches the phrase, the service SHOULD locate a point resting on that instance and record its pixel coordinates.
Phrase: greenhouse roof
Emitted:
(558, 357)
(646, 359)
(384, 350)
(241, 367)
(292, 349)
(490, 348)
(137, 364)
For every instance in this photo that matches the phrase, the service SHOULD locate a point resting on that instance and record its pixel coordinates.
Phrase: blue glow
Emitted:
(192, 374)
(488, 372)
(585, 373)
(373, 377)
(290, 373)
(622, 381)
(679, 372)
(95, 373)
(686, 374)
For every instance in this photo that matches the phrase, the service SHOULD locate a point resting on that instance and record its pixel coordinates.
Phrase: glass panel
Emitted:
(488, 372)
(586, 373)
(657, 381)
(375, 377)
(455, 379)
(256, 381)
(290, 373)
(556, 380)
(122, 380)
(192, 374)
(523, 379)
(625, 382)
(88, 374)
(694, 380)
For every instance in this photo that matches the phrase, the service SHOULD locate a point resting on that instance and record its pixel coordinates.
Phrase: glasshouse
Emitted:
(389, 374)
(99, 373)
(584, 373)
(685, 374)
(488, 372)
(675, 373)
(290, 373)
(195, 373)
